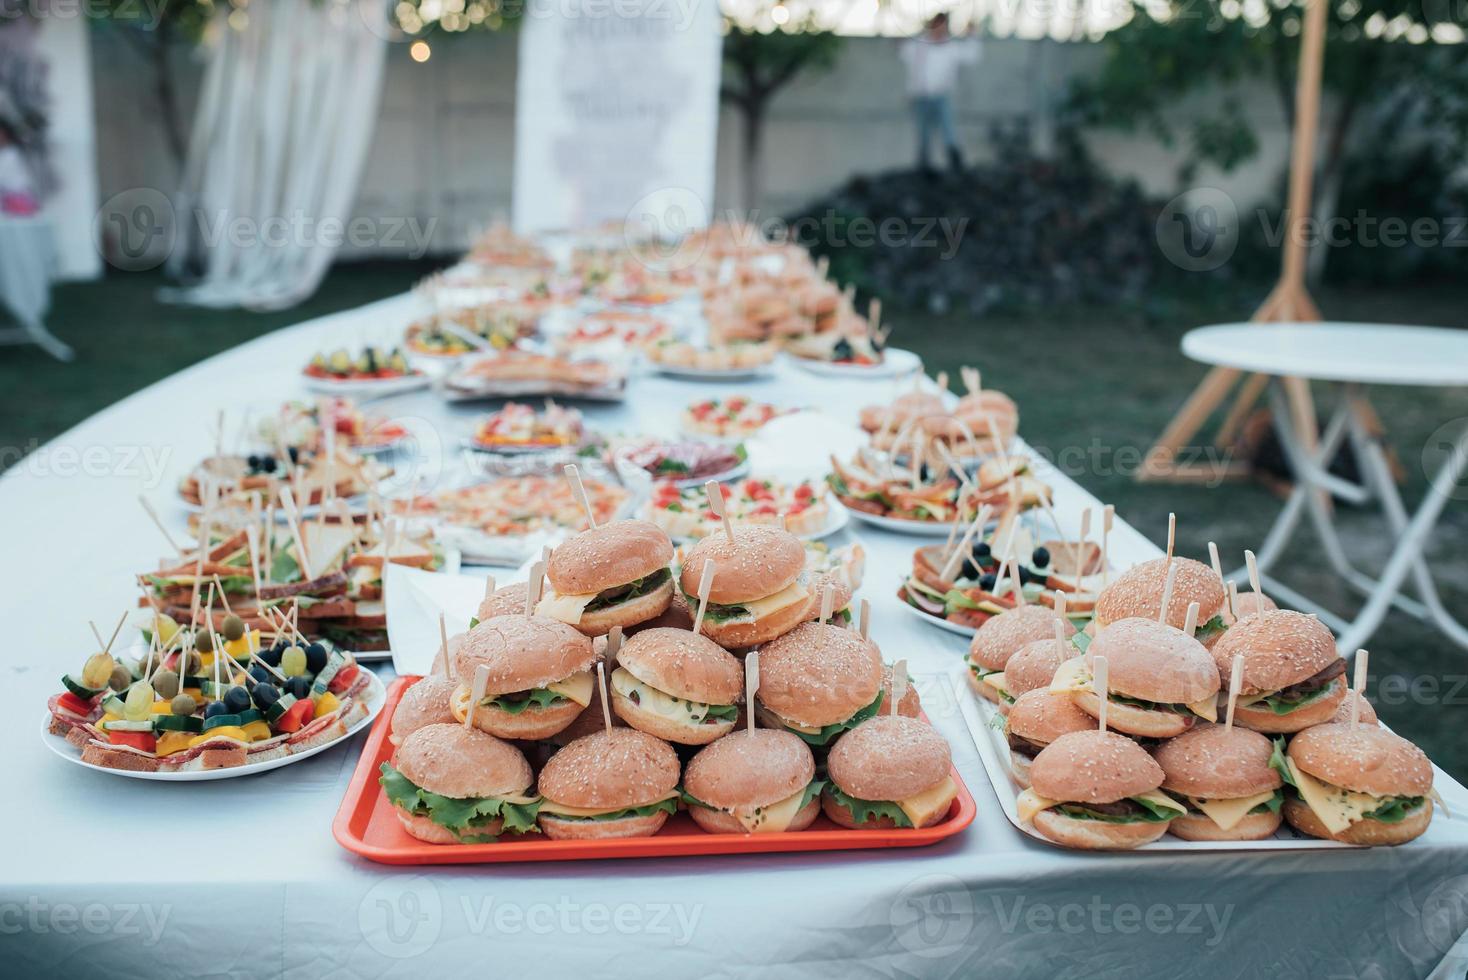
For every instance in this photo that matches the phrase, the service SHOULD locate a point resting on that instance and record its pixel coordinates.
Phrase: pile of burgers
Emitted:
(1296, 745)
(508, 733)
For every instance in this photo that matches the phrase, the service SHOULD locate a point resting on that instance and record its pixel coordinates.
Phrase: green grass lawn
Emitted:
(1101, 381)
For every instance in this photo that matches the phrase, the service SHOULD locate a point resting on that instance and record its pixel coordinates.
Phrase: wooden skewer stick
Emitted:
(1171, 534)
(614, 645)
(153, 516)
(1253, 565)
(866, 617)
(751, 686)
(107, 647)
(1213, 560)
(1060, 603)
(899, 684)
(606, 704)
(705, 582)
(573, 477)
(953, 560)
(1359, 687)
(1108, 515)
(533, 587)
(828, 599)
(1167, 590)
(1099, 673)
(476, 694)
(715, 494)
(1014, 583)
(1060, 641)
(947, 457)
(293, 520)
(443, 639)
(96, 634)
(254, 550)
(1235, 681)
(1233, 599)
(1191, 622)
(488, 586)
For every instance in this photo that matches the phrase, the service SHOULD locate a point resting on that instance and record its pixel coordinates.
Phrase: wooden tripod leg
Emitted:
(1209, 394)
(1244, 401)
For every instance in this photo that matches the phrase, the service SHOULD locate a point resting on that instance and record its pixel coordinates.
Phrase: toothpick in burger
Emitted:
(888, 772)
(617, 782)
(1224, 777)
(613, 575)
(677, 685)
(1096, 790)
(753, 781)
(1137, 593)
(1294, 676)
(452, 785)
(539, 675)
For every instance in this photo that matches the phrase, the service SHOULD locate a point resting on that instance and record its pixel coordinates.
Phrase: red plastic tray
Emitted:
(366, 825)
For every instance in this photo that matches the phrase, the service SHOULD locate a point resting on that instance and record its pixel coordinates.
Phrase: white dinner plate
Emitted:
(375, 695)
(689, 373)
(896, 363)
(366, 388)
(901, 525)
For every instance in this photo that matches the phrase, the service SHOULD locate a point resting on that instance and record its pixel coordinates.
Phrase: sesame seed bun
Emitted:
(911, 705)
(1280, 648)
(889, 757)
(522, 652)
(760, 561)
(1212, 762)
(1368, 833)
(1366, 716)
(462, 764)
(425, 703)
(683, 664)
(1094, 767)
(557, 828)
(750, 768)
(627, 613)
(611, 769)
(1137, 592)
(818, 675)
(608, 556)
(530, 723)
(429, 832)
(1096, 835)
(719, 822)
(508, 601)
(1366, 759)
(1033, 666)
(1153, 662)
(1041, 716)
(1000, 637)
(1253, 826)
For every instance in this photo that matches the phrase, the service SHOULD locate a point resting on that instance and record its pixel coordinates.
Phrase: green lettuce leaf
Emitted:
(1281, 706)
(863, 810)
(1080, 641)
(831, 731)
(632, 590)
(540, 697)
(1277, 762)
(669, 806)
(1151, 813)
(724, 712)
(459, 816)
(283, 567)
(1210, 629)
(1395, 809)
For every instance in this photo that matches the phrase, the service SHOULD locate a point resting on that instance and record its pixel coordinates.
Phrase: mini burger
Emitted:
(540, 675)
(452, 785)
(911, 705)
(677, 685)
(1160, 682)
(1359, 785)
(1366, 716)
(1034, 665)
(617, 783)
(1000, 638)
(425, 703)
(818, 681)
(753, 781)
(613, 575)
(1293, 673)
(1137, 593)
(508, 601)
(1097, 790)
(889, 771)
(761, 587)
(1224, 777)
(1036, 719)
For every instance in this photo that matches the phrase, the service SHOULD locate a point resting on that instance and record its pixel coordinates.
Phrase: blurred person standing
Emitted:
(933, 60)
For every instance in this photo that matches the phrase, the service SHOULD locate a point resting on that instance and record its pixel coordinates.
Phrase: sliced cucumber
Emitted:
(219, 721)
(113, 705)
(249, 715)
(81, 690)
(178, 723)
(333, 664)
(279, 708)
(123, 725)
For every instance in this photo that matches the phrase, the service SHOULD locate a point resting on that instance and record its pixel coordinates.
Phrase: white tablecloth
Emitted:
(242, 877)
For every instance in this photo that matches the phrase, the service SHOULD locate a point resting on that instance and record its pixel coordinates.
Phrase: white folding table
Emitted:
(1354, 356)
(27, 266)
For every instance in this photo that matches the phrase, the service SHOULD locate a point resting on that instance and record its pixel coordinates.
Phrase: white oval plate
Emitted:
(690, 373)
(376, 696)
(896, 362)
(901, 525)
(942, 624)
(367, 387)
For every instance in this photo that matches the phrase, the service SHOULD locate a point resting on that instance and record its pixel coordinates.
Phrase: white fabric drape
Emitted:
(282, 131)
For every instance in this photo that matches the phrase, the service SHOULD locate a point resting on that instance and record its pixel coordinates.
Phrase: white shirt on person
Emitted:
(933, 66)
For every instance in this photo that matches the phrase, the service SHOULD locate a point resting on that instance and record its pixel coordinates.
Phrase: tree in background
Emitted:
(1381, 63)
(763, 52)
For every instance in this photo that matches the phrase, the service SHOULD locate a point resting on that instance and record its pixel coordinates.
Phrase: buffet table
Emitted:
(242, 877)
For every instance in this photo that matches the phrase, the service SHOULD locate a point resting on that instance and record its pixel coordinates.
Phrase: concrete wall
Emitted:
(444, 144)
